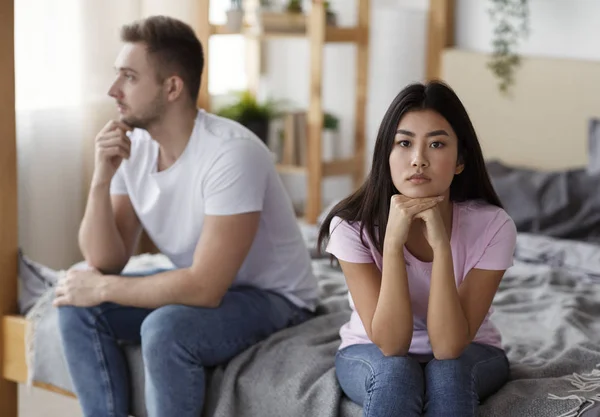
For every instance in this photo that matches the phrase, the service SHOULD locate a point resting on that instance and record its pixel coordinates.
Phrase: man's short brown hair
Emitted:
(174, 47)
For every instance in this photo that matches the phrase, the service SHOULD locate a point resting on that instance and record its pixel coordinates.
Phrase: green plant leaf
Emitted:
(511, 25)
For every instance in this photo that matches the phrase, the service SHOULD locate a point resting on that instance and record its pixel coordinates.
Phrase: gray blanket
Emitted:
(547, 308)
(563, 204)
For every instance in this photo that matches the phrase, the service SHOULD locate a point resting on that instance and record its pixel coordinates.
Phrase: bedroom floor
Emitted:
(41, 403)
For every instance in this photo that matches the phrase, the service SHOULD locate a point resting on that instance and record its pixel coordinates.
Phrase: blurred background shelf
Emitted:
(316, 27)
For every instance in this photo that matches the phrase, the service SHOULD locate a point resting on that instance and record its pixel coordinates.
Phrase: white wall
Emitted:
(558, 28)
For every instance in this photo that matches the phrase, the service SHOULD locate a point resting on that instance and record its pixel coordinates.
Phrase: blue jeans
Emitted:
(389, 386)
(177, 341)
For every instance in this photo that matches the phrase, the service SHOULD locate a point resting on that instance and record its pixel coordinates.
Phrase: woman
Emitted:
(423, 245)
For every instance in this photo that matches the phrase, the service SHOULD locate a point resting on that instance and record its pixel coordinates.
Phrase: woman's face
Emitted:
(424, 157)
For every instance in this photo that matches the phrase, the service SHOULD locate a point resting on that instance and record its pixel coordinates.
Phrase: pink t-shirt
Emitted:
(483, 237)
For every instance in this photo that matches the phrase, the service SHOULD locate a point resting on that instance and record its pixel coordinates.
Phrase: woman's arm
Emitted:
(447, 324)
(454, 315)
(382, 300)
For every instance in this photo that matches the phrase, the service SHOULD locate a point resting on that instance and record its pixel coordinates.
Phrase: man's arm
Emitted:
(234, 192)
(109, 230)
(222, 248)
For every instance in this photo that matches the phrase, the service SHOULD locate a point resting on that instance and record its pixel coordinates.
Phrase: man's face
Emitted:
(139, 95)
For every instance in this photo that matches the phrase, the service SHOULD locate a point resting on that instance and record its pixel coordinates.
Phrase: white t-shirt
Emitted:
(224, 170)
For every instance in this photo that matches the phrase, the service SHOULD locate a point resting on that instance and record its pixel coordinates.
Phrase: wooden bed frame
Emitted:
(12, 328)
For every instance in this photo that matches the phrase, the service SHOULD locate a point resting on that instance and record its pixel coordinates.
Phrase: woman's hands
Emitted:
(403, 210)
(434, 228)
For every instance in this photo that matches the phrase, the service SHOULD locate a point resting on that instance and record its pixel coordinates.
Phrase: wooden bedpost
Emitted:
(8, 193)
(440, 35)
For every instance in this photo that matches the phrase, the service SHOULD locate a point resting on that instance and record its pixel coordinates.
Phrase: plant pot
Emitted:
(329, 140)
(268, 21)
(235, 19)
(260, 128)
(331, 19)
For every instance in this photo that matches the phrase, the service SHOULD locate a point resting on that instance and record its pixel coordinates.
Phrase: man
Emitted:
(206, 191)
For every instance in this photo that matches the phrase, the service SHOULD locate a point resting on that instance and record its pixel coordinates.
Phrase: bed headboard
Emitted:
(544, 124)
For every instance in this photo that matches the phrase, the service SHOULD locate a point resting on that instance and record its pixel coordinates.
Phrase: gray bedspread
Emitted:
(547, 308)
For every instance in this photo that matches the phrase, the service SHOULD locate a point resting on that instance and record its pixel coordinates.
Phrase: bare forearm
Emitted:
(99, 238)
(446, 322)
(154, 291)
(392, 324)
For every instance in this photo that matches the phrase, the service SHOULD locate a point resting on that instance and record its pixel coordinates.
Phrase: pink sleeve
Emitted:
(498, 255)
(345, 242)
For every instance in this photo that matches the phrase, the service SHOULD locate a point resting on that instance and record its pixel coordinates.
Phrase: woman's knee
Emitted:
(450, 383)
(477, 369)
(394, 366)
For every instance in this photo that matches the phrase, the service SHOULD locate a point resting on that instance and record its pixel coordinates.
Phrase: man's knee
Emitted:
(71, 318)
(159, 330)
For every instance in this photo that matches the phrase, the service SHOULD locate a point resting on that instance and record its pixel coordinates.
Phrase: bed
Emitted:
(546, 309)
(552, 292)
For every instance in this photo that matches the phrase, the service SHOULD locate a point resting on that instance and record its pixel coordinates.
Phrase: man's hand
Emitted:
(80, 288)
(112, 146)
(434, 228)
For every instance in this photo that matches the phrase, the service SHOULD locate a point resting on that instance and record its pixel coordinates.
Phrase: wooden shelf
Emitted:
(343, 34)
(314, 28)
(291, 169)
(330, 168)
(340, 167)
(333, 34)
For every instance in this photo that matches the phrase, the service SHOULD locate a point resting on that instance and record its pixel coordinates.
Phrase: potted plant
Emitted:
(294, 6)
(511, 23)
(330, 15)
(235, 16)
(247, 111)
(329, 137)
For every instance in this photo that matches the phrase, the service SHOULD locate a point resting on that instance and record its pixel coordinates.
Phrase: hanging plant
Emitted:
(511, 24)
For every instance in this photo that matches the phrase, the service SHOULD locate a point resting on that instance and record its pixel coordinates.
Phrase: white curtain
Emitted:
(64, 55)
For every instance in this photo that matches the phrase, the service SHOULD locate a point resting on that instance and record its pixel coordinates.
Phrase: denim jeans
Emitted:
(177, 342)
(390, 386)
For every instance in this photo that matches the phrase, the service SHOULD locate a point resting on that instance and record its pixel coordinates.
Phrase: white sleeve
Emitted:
(117, 184)
(237, 181)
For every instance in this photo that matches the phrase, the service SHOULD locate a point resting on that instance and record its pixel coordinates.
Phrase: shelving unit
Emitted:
(318, 35)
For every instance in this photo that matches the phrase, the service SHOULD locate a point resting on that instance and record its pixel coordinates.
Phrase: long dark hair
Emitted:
(370, 205)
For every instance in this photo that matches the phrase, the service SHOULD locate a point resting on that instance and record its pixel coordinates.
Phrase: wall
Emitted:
(558, 28)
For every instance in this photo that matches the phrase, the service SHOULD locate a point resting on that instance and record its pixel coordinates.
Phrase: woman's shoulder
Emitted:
(481, 218)
(348, 242)
(346, 227)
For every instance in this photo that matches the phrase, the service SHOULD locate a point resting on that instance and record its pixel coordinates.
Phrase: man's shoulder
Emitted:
(227, 137)
(225, 129)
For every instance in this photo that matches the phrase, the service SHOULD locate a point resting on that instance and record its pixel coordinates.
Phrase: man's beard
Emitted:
(150, 117)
